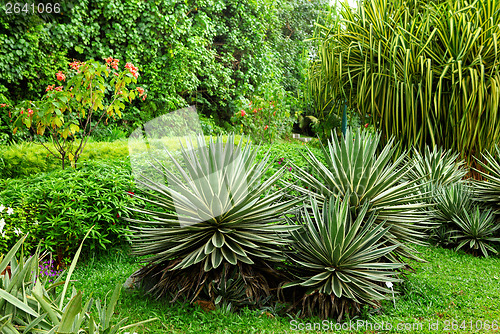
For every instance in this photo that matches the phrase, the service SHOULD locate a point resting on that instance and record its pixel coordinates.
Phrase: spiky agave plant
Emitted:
(214, 211)
(338, 258)
(353, 167)
(436, 168)
(488, 191)
(476, 231)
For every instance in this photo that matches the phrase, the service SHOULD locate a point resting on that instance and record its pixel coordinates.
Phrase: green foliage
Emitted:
(408, 64)
(66, 112)
(68, 202)
(353, 170)
(32, 305)
(488, 190)
(23, 219)
(263, 120)
(28, 159)
(476, 231)
(215, 210)
(436, 168)
(338, 258)
(204, 53)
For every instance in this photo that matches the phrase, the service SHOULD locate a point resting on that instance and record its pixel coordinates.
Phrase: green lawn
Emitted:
(451, 286)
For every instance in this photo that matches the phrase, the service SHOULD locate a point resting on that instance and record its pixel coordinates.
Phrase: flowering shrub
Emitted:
(16, 222)
(91, 87)
(262, 120)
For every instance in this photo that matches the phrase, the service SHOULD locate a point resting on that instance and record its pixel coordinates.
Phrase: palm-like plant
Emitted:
(488, 191)
(338, 258)
(216, 211)
(354, 169)
(426, 72)
(476, 230)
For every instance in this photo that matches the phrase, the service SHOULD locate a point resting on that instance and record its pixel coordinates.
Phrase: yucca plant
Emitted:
(451, 201)
(338, 255)
(476, 231)
(215, 210)
(425, 72)
(353, 167)
(436, 168)
(488, 191)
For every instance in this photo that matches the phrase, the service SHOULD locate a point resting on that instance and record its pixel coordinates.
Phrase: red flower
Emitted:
(75, 65)
(144, 97)
(22, 112)
(366, 125)
(131, 193)
(109, 60)
(243, 113)
(60, 76)
(274, 113)
(117, 215)
(49, 87)
(265, 128)
(260, 109)
(30, 112)
(140, 90)
(60, 88)
(2, 105)
(255, 110)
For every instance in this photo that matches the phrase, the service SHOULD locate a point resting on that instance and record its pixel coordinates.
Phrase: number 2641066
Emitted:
(32, 8)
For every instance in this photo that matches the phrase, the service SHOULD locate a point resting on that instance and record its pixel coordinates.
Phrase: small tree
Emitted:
(91, 87)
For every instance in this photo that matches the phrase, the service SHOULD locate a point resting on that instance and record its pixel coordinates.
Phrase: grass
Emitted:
(451, 286)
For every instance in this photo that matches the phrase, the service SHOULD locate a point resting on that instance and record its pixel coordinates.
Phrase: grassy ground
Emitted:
(452, 290)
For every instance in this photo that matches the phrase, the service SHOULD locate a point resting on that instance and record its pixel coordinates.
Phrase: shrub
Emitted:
(488, 191)
(65, 113)
(263, 120)
(436, 168)
(354, 168)
(68, 202)
(19, 220)
(215, 212)
(338, 258)
(476, 231)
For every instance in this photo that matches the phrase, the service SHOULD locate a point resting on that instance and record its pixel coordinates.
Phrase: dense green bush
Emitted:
(203, 53)
(66, 203)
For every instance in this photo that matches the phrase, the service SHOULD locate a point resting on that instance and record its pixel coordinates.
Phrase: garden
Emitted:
(250, 167)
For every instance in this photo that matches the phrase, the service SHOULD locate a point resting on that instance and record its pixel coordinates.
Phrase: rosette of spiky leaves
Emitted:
(214, 210)
(476, 230)
(453, 200)
(353, 167)
(436, 168)
(337, 255)
(488, 190)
